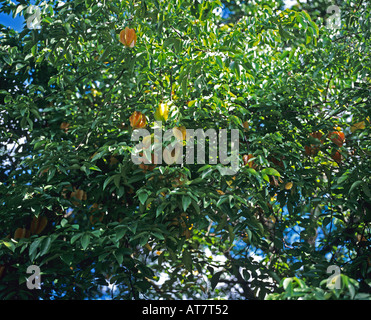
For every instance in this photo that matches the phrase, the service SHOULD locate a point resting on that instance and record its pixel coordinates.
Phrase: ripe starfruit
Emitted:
(128, 37)
(21, 233)
(180, 132)
(162, 112)
(312, 150)
(38, 224)
(137, 120)
(337, 137)
(246, 160)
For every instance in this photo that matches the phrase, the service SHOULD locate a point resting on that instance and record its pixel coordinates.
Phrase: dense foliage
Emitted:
(98, 225)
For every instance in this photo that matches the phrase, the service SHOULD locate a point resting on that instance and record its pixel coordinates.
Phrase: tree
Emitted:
(75, 204)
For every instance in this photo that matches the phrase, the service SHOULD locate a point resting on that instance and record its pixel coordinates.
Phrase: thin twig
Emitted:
(176, 31)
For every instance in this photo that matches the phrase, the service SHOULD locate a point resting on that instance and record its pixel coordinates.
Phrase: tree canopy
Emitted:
(83, 75)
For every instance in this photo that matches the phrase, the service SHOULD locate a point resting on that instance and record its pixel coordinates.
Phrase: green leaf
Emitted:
(270, 171)
(143, 239)
(51, 173)
(354, 185)
(158, 235)
(308, 38)
(120, 232)
(161, 208)
(68, 28)
(7, 98)
(168, 42)
(116, 180)
(314, 28)
(292, 52)
(99, 155)
(133, 227)
(119, 257)
(366, 190)
(85, 240)
(230, 233)
(215, 279)
(287, 284)
(143, 196)
(178, 45)
(45, 246)
(64, 222)
(301, 21)
(106, 53)
(75, 237)
(19, 66)
(107, 181)
(184, 86)
(308, 18)
(344, 177)
(95, 168)
(186, 201)
(219, 62)
(143, 285)
(47, 20)
(33, 248)
(221, 200)
(9, 245)
(34, 50)
(187, 260)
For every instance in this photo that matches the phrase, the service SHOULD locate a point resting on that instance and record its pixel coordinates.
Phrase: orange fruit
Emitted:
(79, 195)
(181, 222)
(187, 233)
(137, 120)
(93, 219)
(288, 185)
(277, 162)
(179, 219)
(128, 37)
(148, 167)
(183, 131)
(337, 156)
(246, 160)
(64, 126)
(337, 137)
(66, 191)
(96, 214)
(179, 180)
(21, 233)
(113, 160)
(38, 224)
(312, 150)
